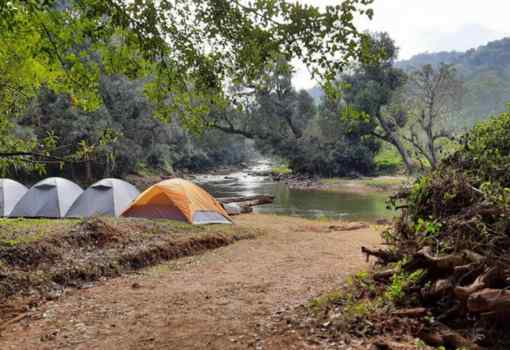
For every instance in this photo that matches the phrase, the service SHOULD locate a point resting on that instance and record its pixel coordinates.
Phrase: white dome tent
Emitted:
(108, 197)
(49, 198)
(10, 194)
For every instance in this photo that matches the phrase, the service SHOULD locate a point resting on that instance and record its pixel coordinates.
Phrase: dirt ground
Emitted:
(222, 299)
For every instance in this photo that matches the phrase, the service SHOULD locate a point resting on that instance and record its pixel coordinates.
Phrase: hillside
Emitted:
(485, 71)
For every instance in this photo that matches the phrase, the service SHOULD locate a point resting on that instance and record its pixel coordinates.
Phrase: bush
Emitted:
(455, 226)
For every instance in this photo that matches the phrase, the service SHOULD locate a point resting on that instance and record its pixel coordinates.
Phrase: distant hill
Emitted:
(486, 74)
(493, 56)
(434, 59)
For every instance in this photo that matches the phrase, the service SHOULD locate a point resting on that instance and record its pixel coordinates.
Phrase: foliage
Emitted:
(401, 282)
(281, 170)
(286, 124)
(122, 136)
(371, 89)
(186, 52)
(455, 226)
(476, 175)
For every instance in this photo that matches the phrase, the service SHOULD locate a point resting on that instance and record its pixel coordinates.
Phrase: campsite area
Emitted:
(231, 297)
(254, 174)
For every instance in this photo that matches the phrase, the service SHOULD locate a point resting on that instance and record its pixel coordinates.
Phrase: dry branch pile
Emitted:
(455, 231)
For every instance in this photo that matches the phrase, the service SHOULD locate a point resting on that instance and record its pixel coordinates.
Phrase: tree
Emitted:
(122, 136)
(273, 112)
(435, 95)
(190, 49)
(370, 88)
(286, 123)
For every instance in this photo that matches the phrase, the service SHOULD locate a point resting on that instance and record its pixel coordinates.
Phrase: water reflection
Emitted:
(309, 204)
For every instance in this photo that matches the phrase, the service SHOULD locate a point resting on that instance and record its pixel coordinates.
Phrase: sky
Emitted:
(430, 25)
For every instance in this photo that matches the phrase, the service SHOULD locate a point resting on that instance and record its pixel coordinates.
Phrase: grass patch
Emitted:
(281, 170)
(388, 161)
(366, 185)
(22, 231)
(325, 300)
(384, 182)
(362, 308)
(334, 181)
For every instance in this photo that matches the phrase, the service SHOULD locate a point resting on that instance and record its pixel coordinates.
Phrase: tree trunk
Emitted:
(408, 162)
(88, 170)
(391, 137)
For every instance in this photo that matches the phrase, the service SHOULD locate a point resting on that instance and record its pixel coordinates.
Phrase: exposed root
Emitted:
(444, 336)
(383, 256)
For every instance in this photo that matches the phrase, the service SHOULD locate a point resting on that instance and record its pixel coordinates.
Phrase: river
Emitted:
(294, 202)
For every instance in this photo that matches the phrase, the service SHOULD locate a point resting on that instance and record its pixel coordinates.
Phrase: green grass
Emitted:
(324, 300)
(152, 227)
(388, 160)
(281, 170)
(14, 232)
(19, 231)
(384, 182)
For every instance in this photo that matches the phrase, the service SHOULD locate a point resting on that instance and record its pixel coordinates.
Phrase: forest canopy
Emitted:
(187, 54)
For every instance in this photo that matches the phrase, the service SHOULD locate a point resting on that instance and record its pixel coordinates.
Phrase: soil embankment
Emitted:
(38, 261)
(222, 299)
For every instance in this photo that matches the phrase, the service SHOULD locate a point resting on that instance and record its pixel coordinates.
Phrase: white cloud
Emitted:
(431, 25)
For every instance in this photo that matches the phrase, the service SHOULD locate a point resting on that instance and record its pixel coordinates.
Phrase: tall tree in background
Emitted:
(435, 95)
(370, 88)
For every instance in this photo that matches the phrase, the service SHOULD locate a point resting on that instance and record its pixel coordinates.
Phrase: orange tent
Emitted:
(178, 199)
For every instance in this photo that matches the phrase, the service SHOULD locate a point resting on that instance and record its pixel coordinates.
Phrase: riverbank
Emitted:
(364, 185)
(225, 298)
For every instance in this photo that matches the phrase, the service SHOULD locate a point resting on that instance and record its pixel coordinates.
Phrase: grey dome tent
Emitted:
(10, 193)
(49, 198)
(106, 197)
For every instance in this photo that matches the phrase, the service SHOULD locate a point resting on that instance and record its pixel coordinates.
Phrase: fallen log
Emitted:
(246, 209)
(411, 313)
(384, 256)
(443, 336)
(384, 275)
(489, 300)
(349, 227)
(245, 204)
(446, 263)
(233, 209)
(259, 199)
(486, 280)
(437, 290)
(255, 202)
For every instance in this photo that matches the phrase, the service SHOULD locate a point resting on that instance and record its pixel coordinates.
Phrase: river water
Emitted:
(294, 202)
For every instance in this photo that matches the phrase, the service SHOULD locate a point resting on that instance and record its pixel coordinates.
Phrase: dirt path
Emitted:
(223, 299)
